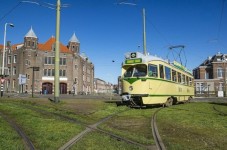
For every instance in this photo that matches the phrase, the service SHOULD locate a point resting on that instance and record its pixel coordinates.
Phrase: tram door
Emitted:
(63, 88)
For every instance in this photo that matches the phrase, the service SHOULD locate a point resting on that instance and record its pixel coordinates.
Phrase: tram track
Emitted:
(218, 111)
(157, 138)
(28, 143)
(89, 128)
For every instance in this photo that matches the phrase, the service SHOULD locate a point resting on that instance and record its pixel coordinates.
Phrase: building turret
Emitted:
(31, 40)
(74, 44)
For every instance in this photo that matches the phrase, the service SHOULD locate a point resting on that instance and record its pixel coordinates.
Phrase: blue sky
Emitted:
(107, 30)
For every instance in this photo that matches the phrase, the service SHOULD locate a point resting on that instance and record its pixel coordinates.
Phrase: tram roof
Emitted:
(142, 58)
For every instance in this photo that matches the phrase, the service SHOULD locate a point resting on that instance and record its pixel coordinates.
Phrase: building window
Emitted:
(49, 72)
(62, 61)
(9, 60)
(60, 72)
(26, 62)
(14, 70)
(219, 72)
(63, 73)
(45, 72)
(15, 59)
(49, 60)
(206, 75)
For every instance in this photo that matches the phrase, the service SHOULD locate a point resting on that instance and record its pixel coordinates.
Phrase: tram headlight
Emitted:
(130, 88)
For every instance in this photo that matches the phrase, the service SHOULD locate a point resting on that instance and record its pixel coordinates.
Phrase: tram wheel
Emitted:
(169, 102)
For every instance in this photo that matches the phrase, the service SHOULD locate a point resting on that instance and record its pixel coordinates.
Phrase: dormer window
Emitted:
(53, 47)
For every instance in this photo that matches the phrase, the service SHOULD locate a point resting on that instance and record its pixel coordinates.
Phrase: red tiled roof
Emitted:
(48, 46)
(45, 46)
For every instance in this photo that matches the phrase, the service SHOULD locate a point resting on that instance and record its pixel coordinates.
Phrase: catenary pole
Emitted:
(57, 59)
(144, 33)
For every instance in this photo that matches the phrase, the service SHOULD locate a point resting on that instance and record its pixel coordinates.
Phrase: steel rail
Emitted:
(20, 132)
(219, 112)
(157, 138)
(88, 129)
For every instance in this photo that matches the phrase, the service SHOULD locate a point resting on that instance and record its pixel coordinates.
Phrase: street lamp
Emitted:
(33, 78)
(3, 57)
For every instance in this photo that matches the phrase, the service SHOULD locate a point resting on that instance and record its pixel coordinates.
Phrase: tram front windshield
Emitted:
(139, 70)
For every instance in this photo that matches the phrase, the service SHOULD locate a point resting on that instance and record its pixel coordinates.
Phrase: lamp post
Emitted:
(3, 58)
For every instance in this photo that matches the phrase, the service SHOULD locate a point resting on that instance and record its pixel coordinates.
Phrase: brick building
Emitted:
(210, 76)
(101, 86)
(76, 70)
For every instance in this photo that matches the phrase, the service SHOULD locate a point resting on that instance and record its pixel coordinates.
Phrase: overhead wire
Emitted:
(221, 18)
(10, 11)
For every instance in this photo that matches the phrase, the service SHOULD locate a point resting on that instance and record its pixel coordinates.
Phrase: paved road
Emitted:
(106, 97)
(111, 97)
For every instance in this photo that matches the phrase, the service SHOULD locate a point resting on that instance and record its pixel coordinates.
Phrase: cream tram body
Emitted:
(148, 80)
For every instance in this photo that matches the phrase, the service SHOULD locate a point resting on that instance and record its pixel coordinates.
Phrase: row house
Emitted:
(210, 76)
(101, 86)
(76, 72)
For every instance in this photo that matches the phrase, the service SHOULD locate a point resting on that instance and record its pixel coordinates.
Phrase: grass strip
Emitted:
(192, 126)
(46, 132)
(134, 124)
(95, 140)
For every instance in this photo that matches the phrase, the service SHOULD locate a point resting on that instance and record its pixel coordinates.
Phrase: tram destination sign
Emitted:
(133, 61)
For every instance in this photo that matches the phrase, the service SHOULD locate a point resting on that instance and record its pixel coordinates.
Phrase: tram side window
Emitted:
(187, 81)
(161, 71)
(179, 77)
(174, 76)
(168, 73)
(183, 79)
(152, 70)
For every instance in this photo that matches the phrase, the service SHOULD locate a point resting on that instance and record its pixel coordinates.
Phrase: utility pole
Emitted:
(57, 59)
(144, 34)
(224, 69)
